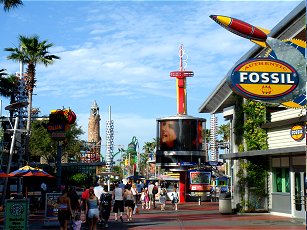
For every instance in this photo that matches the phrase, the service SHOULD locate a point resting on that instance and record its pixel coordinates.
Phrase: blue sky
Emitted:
(120, 53)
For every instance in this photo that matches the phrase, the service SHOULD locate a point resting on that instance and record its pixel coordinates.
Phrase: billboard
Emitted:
(180, 135)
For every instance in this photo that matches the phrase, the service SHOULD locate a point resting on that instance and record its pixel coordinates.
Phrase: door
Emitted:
(298, 194)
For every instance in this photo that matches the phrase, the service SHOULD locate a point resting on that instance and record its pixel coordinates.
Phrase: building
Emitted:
(94, 139)
(285, 157)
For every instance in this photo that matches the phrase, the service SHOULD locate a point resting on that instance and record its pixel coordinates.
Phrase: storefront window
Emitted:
(281, 180)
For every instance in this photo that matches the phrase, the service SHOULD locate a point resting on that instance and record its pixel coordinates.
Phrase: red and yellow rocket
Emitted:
(255, 34)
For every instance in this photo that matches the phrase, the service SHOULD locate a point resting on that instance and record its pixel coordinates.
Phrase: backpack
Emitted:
(105, 199)
(155, 190)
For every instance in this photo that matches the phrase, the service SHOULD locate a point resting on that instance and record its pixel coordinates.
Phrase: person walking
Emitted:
(64, 210)
(146, 198)
(129, 202)
(155, 191)
(151, 196)
(175, 199)
(77, 222)
(43, 194)
(105, 206)
(135, 196)
(162, 199)
(140, 187)
(74, 200)
(118, 197)
(142, 199)
(98, 190)
(92, 210)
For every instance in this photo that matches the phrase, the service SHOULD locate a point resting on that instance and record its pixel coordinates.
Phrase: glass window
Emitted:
(281, 180)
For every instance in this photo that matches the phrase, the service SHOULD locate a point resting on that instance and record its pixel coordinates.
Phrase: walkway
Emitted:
(190, 216)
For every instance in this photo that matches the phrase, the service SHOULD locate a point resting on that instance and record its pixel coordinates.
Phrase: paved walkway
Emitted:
(189, 216)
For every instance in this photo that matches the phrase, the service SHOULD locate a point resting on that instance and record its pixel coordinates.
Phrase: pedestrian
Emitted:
(77, 222)
(135, 196)
(139, 187)
(98, 190)
(92, 210)
(129, 202)
(64, 210)
(43, 194)
(74, 199)
(175, 199)
(162, 199)
(142, 198)
(128, 184)
(151, 196)
(146, 198)
(121, 185)
(105, 206)
(84, 197)
(118, 197)
(155, 191)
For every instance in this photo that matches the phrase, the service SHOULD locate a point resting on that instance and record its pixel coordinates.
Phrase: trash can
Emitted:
(225, 203)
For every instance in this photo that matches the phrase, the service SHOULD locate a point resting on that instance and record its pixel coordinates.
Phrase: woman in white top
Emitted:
(118, 197)
(175, 199)
(129, 202)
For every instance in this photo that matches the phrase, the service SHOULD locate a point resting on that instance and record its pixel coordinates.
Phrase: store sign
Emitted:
(16, 214)
(263, 79)
(59, 122)
(297, 132)
(184, 163)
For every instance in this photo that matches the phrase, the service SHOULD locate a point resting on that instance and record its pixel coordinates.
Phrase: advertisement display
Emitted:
(51, 206)
(180, 135)
(180, 141)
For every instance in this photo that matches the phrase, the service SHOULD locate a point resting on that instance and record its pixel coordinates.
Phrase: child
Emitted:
(163, 194)
(77, 222)
(175, 199)
(143, 198)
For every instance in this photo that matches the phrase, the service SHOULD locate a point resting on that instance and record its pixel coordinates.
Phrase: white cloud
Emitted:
(121, 54)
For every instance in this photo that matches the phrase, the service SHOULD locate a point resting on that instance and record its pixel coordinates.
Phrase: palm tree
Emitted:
(9, 4)
(149, 147)
(8, 87)
(31, 52)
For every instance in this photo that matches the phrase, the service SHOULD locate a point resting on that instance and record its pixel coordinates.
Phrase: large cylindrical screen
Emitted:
(180, 135)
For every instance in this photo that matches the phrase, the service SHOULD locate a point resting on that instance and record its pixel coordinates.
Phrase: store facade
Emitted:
(285, 157)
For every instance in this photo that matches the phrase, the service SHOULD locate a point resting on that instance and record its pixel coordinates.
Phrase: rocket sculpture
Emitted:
(255, 34)
(288, 52)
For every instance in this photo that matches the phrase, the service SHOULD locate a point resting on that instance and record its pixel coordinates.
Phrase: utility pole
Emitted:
(10, 159)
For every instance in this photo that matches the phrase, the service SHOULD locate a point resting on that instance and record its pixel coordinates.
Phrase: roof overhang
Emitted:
(270, 152)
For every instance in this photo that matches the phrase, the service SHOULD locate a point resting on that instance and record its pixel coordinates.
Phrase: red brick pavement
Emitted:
(189, 216)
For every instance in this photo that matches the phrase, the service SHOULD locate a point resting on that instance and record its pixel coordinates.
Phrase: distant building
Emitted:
(94, 140)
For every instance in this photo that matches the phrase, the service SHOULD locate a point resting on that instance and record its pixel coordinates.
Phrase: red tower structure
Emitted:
(181, 92)
(181, 76)
(179, 138)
